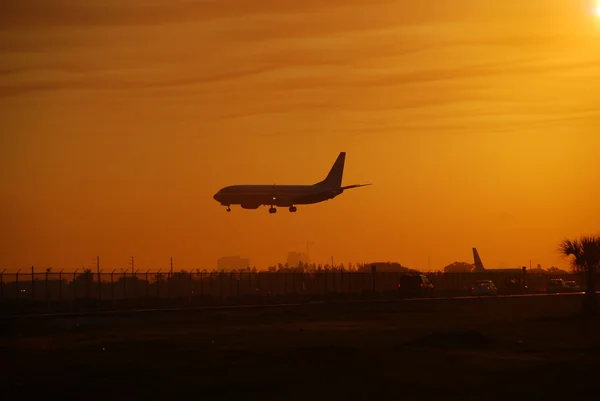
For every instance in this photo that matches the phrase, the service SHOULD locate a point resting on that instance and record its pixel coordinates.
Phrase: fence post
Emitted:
(32, 283)
(2, 285)
(250, 283)
(350, 283)
(46, 285)
(17, 283)
(99, 286)
(133, 282)
(124, 285)
(191, 286)
(221, 283)
(169, 281)
(374, 273)
(334, 289)
(169, 285)
(202, 284)
(74, 284)
(86, 275)
(60, 285)
(112, 286)
(158, 284)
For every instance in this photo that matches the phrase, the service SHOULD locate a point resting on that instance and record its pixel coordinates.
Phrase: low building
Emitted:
(295, 258)
(229, 263)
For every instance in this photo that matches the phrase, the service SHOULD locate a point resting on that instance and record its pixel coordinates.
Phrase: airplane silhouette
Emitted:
(254, 196)
(479, 268)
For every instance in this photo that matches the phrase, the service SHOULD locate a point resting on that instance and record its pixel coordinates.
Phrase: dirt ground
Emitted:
(473, 349)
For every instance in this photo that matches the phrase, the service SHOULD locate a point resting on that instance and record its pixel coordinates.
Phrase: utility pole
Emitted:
(332, 262)
(171, 265)
(132, 269)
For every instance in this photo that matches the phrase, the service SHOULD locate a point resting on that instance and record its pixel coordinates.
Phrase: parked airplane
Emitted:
(480, 269)
(254, 196)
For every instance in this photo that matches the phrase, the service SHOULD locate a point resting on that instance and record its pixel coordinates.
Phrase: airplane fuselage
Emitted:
(254, 196)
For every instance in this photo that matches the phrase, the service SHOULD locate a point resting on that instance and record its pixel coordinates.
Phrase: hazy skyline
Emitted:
(477, 123)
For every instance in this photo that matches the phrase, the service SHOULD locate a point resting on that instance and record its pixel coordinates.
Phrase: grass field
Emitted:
(479, 349)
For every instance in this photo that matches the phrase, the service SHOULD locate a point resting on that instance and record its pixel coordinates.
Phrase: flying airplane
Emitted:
(254, 196)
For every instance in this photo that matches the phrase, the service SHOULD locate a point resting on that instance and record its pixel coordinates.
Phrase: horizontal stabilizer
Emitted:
(355, 186)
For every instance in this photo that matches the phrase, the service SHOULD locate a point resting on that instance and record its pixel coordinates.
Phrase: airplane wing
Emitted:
(354, 186)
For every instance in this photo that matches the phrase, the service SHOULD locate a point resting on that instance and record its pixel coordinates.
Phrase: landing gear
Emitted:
(272, 210)
(293, 209)
(228, 209)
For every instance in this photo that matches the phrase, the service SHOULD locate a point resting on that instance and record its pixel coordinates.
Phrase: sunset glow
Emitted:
(477, 123)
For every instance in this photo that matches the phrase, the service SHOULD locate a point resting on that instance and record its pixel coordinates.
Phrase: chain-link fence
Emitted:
(202, 287)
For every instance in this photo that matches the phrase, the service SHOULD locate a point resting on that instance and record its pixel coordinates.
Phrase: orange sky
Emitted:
(476, 121)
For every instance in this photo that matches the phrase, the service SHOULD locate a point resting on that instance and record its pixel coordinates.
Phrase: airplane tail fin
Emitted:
(478, 264)
(334, 178)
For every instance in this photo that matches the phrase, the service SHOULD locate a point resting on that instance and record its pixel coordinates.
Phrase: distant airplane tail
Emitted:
(478, 264)
(334, 178)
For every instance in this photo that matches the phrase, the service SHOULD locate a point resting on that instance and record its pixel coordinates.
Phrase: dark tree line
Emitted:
(585, 258)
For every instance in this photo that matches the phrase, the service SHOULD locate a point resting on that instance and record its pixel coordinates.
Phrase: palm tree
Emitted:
(586, 259)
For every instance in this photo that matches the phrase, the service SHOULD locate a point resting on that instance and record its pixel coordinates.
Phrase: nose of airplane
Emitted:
(216, 196)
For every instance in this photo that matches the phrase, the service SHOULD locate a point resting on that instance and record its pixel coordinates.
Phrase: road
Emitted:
(280, 305)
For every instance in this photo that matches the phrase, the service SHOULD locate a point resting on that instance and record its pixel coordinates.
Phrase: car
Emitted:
(484, 287)
(516, 286)
(572, 286)
(556, 285)
(415, 285)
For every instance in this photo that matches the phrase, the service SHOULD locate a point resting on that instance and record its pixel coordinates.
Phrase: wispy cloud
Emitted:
(54, 13)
